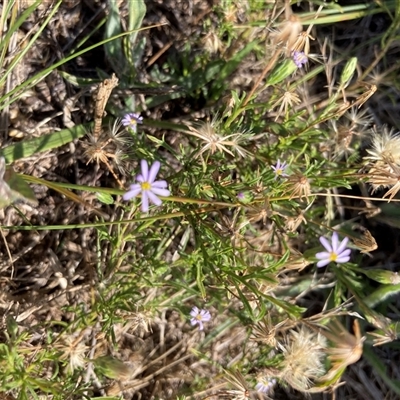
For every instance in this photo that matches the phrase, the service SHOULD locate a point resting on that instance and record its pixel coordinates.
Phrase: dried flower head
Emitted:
(212, 43)
(385, 147)
(298, 186)
(289, 30)
(199, 316)
(148, 186)
(382, 176)
(302, 43)
(259, 212)
(360, 118)
(109, 148)
(265, 331)
(74, 351)
(343, 139)
(346, 348)
(214, 141)
(303, 353)
(286, 102)
(366, 242)
(237, 380)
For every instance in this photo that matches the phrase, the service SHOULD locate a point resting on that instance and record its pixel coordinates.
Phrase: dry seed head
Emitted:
(265, 331)
(259, 212)
(288, 32)
(142, 321)
(119, 135)
(388, 330)
(383, 176)
(303, 353)
(74, 351)
(212, 43)
(287, 102)
(237, 380)
(366, 242)
(292, 223)
(217, 142)
(95, 149)
(302, 43)
(343, 137)
(360, 118)
(298, 186)
(385, 147)
(346, 348)
(296, 263)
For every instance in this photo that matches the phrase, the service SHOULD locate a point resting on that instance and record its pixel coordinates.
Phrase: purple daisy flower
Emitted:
(280, 169)
(335, 251)
(199, 316)
(299, 58)
(130, 120)
(148, 186)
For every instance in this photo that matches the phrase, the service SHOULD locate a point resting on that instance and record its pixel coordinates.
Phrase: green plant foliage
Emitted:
(204, 228)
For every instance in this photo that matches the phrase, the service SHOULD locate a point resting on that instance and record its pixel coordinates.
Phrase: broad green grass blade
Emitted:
(47, 142)
(113, 49)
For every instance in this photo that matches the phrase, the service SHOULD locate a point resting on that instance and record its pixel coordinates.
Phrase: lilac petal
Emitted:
(325, 242)
(194, 311)
(159, 184)
(154, 171)
(194, 321)
(342, 259)
(145, 201)
(322, 263)
(323, 255)
(335, 242)
(345, 253)
(161, 192)
(132, 193)
(342, 245)
(205, 315)
(153, 198)
(201, 326)
(140, 178)
(145, 170)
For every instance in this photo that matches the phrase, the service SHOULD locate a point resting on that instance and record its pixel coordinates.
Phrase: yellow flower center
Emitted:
(333, 256)
(279, 171)
(198, 317)
(145, 186)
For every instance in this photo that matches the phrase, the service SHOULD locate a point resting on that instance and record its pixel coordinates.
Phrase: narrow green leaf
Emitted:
(105, 198)
(382, 294)
(281, 72)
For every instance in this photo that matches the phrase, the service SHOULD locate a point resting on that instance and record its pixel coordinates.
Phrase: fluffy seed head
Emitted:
(303, 353)
(385, 147)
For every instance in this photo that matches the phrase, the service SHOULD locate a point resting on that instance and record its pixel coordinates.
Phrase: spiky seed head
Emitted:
(298, 186)
(382, 176)
(385, 147)
(303, 355)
